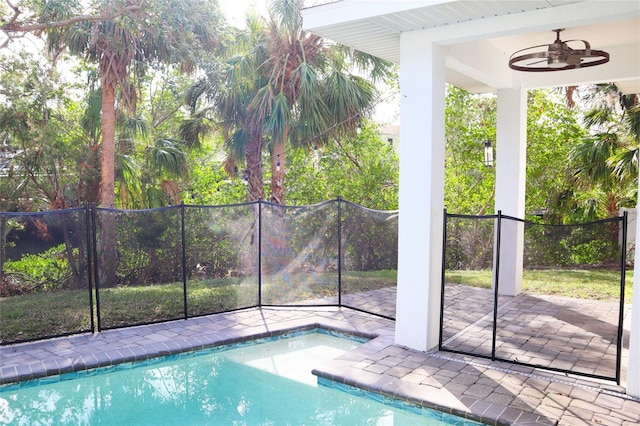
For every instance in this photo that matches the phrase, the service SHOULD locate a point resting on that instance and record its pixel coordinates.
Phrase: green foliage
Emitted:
(281, 87)
(209, 183)
(370, 239)
(605, 163)
(363, 169)
(153, 162)
(52, 162)
(41, 272)
(149, 246)
(470, 121)
(552, 131)
(220, 241)
(590, 244)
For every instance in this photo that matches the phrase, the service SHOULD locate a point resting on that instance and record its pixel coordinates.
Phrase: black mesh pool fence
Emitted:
(78, 270)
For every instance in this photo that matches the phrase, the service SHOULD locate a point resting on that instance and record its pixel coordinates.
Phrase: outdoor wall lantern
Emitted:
(488, 154)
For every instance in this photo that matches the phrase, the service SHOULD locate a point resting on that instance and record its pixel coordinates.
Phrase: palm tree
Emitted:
(309, 95)
(163, 31)
(167, 31)
(229, 91)
(606, 162)
(283, 85)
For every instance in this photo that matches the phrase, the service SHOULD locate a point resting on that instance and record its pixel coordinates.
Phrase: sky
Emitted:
(235, 10)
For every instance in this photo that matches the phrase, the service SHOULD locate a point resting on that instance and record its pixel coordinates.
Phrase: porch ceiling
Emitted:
(479, 36)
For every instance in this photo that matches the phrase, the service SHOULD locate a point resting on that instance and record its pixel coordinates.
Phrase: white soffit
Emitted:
(481, 35)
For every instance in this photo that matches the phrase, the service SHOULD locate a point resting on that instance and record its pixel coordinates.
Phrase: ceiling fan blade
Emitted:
(529, 48)
(538, 62)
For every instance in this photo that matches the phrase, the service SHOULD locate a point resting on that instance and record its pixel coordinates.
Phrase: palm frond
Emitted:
(313, 112)
(90, 120)
(128, 176)
(130, 127)
(624, 164)
(262, 104)
(286, 13)
(632, 120)
(591, 158)
(195, 128)
(237, 144)
(348, 97)
(280, 119)
(598, 117)
(166, 156)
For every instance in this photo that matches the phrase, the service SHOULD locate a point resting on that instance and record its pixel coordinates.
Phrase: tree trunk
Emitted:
(107, 244)
(277, 258)
(253, 152)
(108, 121)
(277, 170)
(76, 264)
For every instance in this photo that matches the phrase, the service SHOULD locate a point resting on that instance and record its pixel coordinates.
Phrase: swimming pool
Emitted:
(265, 383)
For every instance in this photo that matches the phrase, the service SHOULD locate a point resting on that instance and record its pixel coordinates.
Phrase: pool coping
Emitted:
(53, 367)
(471, 388)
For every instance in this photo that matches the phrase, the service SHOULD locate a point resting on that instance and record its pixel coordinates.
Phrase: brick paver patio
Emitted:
(472, 387)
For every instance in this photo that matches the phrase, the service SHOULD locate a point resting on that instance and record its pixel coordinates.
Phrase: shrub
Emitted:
(38, 272)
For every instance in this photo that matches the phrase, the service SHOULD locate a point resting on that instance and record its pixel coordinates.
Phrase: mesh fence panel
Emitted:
(468, 298)
(370, 259)
(574, 330)
(299, 254)
(221, 258)
(577, 332)
(44, 280)
(139, 266)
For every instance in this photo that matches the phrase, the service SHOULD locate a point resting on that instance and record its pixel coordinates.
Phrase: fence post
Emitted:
(3, 230)
(260, 252)
(88, 227)
(442, 283)
(96, 266)
(184, 262)
(496, 274)
(339, 199)
(623, 276)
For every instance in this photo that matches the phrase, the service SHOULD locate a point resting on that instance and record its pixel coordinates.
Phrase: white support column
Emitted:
(633, 368)
(511, 166)
(422, 105)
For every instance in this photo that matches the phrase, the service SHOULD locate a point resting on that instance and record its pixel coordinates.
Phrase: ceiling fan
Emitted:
(558, 56)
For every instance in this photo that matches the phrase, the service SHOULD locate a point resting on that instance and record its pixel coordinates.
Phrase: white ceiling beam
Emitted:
(481, 61)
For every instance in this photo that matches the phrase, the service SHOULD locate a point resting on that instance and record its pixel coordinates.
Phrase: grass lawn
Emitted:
(47, 314)
(583, 284)
(39, 315)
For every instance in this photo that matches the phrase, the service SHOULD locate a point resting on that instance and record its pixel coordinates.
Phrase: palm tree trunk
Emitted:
(277, 170)
(277, 258)
(107, 185)
(107, 252)
(253, 152)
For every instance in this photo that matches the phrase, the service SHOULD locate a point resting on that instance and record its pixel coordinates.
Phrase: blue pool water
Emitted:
(261, 384)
